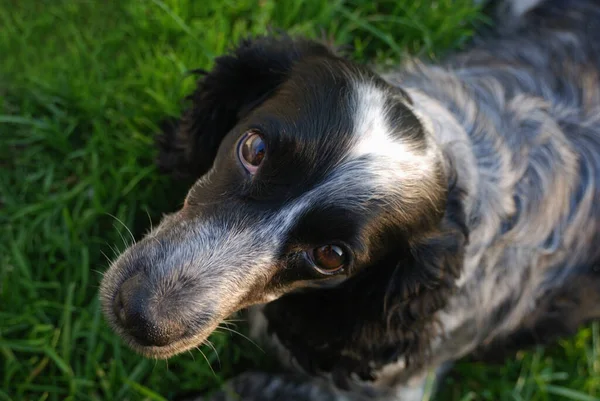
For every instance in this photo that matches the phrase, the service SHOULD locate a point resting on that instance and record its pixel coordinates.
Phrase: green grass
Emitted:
(82, 87)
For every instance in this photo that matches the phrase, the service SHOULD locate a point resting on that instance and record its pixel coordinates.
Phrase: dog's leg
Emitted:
(258, 386)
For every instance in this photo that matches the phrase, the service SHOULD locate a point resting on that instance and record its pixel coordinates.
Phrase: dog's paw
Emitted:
(256, 386)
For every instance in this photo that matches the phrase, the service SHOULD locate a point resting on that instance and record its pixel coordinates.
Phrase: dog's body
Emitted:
(467, 194)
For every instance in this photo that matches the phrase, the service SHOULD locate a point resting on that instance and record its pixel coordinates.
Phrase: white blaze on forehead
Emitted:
(392, 164)
(395, 161)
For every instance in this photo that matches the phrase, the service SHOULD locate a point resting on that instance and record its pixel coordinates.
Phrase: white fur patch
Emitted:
(388, 372)
(397, 161)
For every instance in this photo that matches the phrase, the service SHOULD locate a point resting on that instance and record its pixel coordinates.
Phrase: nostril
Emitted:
(143, 321)
(119, 309)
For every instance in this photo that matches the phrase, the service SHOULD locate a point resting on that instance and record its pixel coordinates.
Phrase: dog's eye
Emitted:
(251, 151)
(329, 259)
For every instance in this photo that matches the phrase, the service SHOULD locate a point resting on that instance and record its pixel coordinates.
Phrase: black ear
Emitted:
(238, 82)
(425, 278)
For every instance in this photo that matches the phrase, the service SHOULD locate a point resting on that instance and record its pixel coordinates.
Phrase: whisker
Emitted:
(229, 324)
(207, 361)
(122, 237)
(115, 250)
(106, 256)
(160, 245)
(149, 219)
(100, 273)
(243, 336)
(234, 320)
(124, 225)
(210, 344)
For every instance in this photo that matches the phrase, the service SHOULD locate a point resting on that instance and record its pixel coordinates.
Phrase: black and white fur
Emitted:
(468, 193)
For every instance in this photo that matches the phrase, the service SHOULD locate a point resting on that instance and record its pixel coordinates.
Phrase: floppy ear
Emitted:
(238, 82)
(423, 282)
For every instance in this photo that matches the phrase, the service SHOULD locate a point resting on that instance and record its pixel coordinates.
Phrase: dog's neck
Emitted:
(451, 138)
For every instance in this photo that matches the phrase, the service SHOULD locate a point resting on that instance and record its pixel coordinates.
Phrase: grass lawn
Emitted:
(82, 86)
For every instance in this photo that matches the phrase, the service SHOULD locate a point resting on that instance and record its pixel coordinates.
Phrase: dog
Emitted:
(379, 226)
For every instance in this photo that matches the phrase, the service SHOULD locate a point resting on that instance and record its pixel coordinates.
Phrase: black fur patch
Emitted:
(383, 312)
(238, 82)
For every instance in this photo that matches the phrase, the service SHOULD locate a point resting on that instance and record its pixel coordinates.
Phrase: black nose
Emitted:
(150, 323)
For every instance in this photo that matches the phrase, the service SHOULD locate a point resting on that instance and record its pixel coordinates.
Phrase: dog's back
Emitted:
(528, 98)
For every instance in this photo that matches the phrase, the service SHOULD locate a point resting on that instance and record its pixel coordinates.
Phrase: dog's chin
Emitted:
(187, 343)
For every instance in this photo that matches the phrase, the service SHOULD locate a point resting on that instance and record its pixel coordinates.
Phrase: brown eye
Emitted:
(251, 151)
(329, 259)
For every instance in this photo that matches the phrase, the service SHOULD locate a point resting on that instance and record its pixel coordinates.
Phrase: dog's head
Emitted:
(311, 170)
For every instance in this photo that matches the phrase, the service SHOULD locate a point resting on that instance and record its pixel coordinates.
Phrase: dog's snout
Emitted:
(149, 323)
